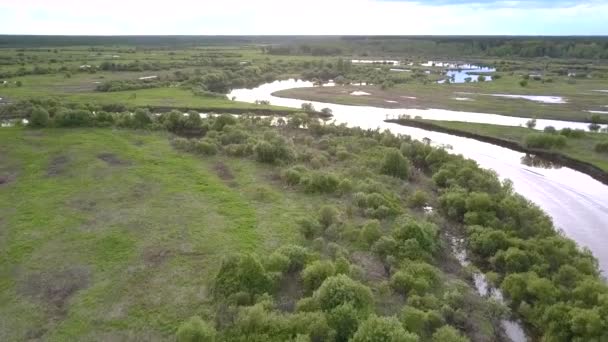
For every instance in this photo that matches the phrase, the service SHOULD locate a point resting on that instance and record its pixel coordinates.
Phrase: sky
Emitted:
(304, 17)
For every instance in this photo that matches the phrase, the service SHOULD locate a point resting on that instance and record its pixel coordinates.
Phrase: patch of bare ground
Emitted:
(6, 178)
(155, 256)
(290, 291)
(274, 177)
(373, 268)
(223, 171)
(112, 159)
(57, 166)
(55, 288)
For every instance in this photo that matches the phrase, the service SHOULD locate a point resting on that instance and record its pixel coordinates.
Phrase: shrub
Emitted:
(594, 127)
(448, 334)
(297, 257)
(39, 117)
(223, 120)
(415, 277)
(314, 274)
(328, 215)
(523, 83)
(344, 320)
(550, 129)
(602, 147)
(531, 123)
(321, 182)
(73, 118)
(309, 228)
(273, 151)
(339, 290)
(419, 199)
(544, 141)
(383, 329)
(572, 133)
(371, 232)
(205, 147)
(195, 330)
(141, 118)
(241, 273)
(395, 164)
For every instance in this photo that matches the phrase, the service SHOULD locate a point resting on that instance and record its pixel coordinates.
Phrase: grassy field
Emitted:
(113, 235)
(581, 97)
(576, 148)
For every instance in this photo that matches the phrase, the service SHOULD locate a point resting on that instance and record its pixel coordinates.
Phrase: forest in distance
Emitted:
(143, 198)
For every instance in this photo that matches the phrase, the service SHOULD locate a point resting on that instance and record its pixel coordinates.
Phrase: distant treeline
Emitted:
(498, 46)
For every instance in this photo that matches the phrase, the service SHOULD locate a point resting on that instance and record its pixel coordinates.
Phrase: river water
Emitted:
(577, 203)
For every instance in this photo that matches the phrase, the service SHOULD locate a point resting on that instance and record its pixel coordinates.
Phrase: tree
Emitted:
(448, 334)
(195, 330)
(241, 273)
(344, 319)
(481, 78)
(395, 164)
(39, 117)
(383, 329)
(308, 107)
(339, 290)
(531, 123)
(19, 83)
(327, 111)
(141, 118)
(315, 274)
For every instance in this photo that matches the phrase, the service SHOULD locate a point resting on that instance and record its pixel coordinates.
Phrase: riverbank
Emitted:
(555, 101)
(577, 155)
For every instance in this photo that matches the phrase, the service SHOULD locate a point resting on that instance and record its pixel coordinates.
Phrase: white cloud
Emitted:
(298, 17)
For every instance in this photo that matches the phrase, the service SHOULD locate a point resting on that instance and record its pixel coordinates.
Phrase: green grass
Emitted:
(580, 97)
(149, 231)
(577, 148)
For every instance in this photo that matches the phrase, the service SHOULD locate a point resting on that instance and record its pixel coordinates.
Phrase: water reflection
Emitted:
(536, 161)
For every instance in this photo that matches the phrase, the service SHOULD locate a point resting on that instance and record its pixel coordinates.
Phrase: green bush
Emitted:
(448, 334)
(370, 233)
(39, 117)
(292, 176)
(601, 147)
(344, 319)
(309, 228)
(339, 290)
(320, 182)
(328, 215)
(383, 329)
(395, 164)
(205, 147)
(141, 118)
(273, 151)
(195, 330)
(419, 199)
(241, 273)
(545, 141)
(297, 257)
(316, 273)
(73, 118)
(550, 130)
(572, 133)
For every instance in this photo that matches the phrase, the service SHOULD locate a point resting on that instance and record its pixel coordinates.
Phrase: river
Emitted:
(577, 203)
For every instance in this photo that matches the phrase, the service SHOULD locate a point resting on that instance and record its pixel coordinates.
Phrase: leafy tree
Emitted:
(448, 334)
(531, 123)
(241, 273)
(308, 107)
(344, 319)
(39, 117)
(316, 273)
(141, 118)
(370, 233)
(339, 290)
(328, 215)
(196, 330)
(383, 329)
(395, 164)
